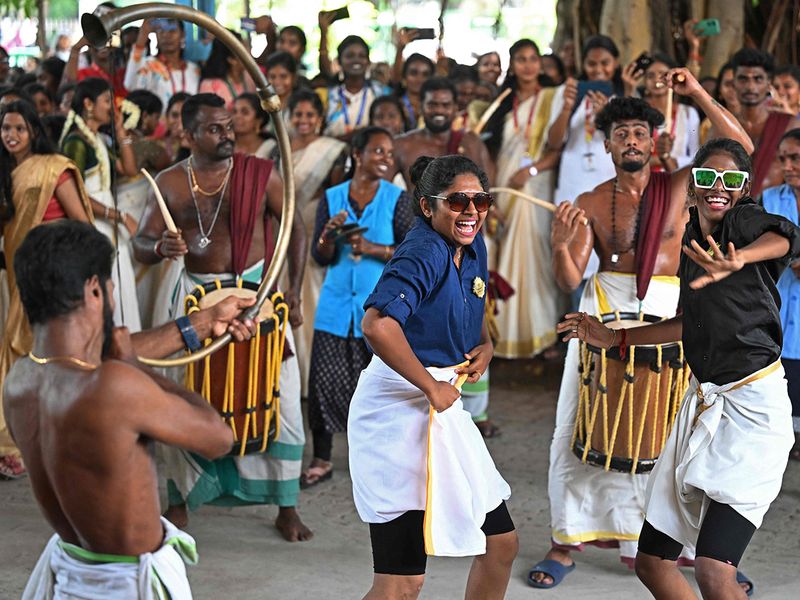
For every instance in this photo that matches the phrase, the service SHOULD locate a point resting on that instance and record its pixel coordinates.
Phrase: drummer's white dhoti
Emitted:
(587, 503)
(730, 443)
(405, 457)
(66, 572)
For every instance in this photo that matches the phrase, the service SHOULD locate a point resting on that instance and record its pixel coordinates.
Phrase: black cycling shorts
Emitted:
(724, 536)
(398, 546)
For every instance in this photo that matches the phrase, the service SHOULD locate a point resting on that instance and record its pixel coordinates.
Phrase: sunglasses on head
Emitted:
(706, 178)
(459, 201)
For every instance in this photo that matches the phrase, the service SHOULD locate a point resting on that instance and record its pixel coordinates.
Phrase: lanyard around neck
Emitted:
(361, 109)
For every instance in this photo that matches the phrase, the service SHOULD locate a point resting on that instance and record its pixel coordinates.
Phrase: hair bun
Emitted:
(418, 168)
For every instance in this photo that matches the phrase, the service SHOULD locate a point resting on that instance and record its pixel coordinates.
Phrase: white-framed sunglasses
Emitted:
(706, 178)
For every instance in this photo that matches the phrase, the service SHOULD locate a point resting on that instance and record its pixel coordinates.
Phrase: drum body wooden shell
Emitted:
(242, 379)
(626, 407)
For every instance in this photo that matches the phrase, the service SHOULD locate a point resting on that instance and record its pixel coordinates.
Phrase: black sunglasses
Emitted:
(459, 201)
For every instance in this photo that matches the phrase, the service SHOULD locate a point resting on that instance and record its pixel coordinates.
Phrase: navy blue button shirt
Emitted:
(433, 301)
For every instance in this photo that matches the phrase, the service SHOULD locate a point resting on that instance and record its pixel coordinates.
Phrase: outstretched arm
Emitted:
(724, 124)
(590, 330)
(718, 265)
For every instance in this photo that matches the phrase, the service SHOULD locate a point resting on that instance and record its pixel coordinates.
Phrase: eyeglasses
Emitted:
(459, 201)
(706, 178)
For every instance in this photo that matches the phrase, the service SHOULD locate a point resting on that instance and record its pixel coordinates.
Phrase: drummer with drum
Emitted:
(603, 444)
(222, 205)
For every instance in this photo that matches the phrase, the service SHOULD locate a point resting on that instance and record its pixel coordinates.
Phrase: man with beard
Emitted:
(223, 205)
(438, 138)
(760, 115)
(85, 414)
(635, 223)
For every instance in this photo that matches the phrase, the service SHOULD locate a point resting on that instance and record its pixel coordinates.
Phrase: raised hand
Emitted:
(567, 220)
(683, 82)
(631, 78)
(598, 99)
(405, 36)
(326, 19)
(717, 265)
(570, 95)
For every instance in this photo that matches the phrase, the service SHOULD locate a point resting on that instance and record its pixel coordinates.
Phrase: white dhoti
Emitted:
(66, 572)
(730, 443)
(403, 457)
(587, 503)
(269, 478)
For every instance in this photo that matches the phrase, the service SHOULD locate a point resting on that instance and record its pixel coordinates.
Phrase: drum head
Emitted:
(214, 297)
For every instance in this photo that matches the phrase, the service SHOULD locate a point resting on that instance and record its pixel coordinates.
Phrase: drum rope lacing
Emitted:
(593, 403)
(275, 346)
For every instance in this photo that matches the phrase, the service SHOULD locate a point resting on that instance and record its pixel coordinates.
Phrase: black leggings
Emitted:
(724, 536)
(398, 546)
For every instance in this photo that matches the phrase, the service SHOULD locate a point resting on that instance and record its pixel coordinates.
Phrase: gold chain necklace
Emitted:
(196, 186)
(71, 359)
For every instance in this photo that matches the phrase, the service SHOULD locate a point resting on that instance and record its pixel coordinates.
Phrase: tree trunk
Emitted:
(563, 23)
(627, 22)
(719, 48)
(41, 32)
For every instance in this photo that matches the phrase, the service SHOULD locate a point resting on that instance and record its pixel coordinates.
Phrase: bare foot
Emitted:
(561, 556)
(177, 515)
(291, 527)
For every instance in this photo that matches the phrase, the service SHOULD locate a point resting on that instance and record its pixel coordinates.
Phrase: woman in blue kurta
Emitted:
(424, 322)
(783, 200)
(338, 351)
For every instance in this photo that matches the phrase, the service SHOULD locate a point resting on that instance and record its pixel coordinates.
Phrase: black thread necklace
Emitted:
(615, 251)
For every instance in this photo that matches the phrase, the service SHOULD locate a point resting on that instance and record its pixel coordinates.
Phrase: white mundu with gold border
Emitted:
(587, 503)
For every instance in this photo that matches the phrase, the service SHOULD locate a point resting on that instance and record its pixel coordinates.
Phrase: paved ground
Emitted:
(243, 557)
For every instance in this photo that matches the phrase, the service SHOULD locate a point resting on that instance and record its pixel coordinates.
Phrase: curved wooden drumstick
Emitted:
(487, 114)
(533, 200)
(161, 204)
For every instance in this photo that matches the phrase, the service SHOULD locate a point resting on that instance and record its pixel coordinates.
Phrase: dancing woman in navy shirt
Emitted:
(424, 322)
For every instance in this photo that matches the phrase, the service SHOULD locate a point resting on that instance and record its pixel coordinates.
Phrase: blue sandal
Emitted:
(551, 568)
(742, 578)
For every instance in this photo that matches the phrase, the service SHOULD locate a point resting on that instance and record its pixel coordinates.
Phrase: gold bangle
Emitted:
(387, 253)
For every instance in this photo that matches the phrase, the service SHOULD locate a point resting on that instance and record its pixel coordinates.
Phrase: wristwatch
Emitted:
(533, 171)
(665, 156)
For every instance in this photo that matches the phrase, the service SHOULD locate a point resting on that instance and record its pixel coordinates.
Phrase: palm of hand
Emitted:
(716, 264)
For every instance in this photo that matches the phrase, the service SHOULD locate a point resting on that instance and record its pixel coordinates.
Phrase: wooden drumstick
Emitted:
(161, 204)
(533, 200)
(668, 116)
(678, 78)
(487, 114)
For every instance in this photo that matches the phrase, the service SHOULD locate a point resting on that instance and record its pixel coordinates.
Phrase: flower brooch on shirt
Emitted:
(479, 287)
